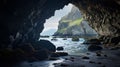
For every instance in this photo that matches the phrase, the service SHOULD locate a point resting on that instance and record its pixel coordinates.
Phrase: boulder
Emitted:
(60, 48)
(94, 48)
(44, 44)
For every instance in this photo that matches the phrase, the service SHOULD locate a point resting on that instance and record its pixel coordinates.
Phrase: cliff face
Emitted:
(73, 24)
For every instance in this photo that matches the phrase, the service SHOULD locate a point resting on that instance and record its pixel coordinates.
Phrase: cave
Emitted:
(22, 22)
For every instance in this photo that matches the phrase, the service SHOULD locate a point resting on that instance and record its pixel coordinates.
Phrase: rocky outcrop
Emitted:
(36, 51)
(73, 25)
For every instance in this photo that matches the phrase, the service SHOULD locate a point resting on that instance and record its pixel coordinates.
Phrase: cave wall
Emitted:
(103, 16)
(22, 20)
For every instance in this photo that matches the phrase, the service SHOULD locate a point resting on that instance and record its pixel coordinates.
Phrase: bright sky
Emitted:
(52, 22)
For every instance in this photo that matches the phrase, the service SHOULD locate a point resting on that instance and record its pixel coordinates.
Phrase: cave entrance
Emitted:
(66, 29)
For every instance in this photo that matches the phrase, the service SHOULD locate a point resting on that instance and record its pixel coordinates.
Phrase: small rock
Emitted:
(97, 54)
(85, 57)
(60, 48)
(105, 55)
(66, 58)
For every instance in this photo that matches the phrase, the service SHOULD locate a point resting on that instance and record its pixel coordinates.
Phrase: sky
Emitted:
(52, 22)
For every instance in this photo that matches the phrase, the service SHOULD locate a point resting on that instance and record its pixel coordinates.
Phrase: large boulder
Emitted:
(44, 44)
(38, 50)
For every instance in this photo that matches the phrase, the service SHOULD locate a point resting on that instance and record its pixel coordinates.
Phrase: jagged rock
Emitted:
(72, 25)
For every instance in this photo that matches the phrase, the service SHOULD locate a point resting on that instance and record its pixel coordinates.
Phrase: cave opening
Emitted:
(24, 20)
(68, 28)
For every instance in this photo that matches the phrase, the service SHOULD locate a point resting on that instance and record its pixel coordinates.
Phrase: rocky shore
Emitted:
(104, 58)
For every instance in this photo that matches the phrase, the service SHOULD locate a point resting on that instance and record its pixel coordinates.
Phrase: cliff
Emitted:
(74, 25)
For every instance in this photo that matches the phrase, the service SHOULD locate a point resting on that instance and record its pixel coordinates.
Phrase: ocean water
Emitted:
(72, 47)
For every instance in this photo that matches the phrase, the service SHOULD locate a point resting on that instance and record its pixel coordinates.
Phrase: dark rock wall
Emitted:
(22, 20)
(102, 15)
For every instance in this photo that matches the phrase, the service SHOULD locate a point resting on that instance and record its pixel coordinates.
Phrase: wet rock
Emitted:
(98, 53)
(63, 64)
(58, 54)
(85, 57)
(60, 48)
(94, 48)
(105, 55)
(44, 44)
